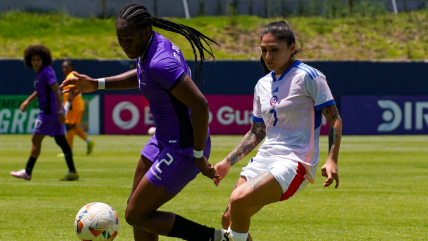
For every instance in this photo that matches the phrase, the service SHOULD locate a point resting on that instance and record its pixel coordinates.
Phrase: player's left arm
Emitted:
(57, 91)
(188, 93)
(27, 102)
(330, 169)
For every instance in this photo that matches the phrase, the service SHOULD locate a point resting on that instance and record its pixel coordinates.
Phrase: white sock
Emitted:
(87, 140)
(238, 236)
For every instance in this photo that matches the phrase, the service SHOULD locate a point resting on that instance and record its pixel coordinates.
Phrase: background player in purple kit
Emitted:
(181, 145)
(51, 117)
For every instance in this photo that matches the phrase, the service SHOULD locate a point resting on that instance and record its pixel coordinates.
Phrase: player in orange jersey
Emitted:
(74, 106)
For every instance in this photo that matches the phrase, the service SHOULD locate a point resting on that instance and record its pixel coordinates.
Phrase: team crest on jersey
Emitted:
(273, 100)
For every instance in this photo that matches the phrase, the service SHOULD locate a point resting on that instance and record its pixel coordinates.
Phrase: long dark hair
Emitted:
(140, 16)
(281, 31)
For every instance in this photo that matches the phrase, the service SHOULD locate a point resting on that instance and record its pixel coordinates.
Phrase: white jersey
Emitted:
(290, 106)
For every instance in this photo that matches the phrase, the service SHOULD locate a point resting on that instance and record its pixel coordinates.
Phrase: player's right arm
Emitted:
(27, 102)
(84, 84)
(253, 137)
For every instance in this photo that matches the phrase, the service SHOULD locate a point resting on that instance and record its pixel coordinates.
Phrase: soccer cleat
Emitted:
(21, 174)
(90, 147)
(70, 177)
(226, 235)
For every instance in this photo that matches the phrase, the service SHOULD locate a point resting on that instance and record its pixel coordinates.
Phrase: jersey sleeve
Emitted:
(319, 91)
(48, 76)
(167, 72)
(257, 107)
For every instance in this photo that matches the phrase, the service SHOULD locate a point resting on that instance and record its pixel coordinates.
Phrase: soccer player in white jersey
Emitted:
(288, 106)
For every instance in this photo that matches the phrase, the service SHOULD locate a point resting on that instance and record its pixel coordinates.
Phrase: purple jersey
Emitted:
(47, 98)
(160, 70)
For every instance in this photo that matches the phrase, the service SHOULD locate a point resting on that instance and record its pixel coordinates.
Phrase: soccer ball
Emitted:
(96, 221)
(151, 131)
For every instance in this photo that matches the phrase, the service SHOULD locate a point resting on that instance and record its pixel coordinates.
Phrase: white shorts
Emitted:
(290, 175)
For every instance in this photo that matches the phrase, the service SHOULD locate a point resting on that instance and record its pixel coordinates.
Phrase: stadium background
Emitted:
(359, 88)
(396, 100)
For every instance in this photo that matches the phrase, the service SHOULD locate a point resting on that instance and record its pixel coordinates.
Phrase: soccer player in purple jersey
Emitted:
(181, 145)
(51, 117)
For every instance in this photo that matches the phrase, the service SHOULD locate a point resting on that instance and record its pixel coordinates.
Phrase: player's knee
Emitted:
(35, 141)
(60, 140)
(130, 216)
(239, 201)
(134, 217)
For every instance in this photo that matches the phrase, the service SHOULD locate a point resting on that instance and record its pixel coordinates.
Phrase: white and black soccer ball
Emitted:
(96, 222)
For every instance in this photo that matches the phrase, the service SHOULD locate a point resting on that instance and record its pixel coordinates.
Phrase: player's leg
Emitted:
(249, 198)
(70, 134)
(141, 210)
(68, 155)
(89, 143)
(282, 180)
(70, 124)
(42, 127)
(80, 133)
(143, 166)
(61, 141)
(75, 116)
(225, 221)
(36, 147)
(142, 214)
(166, 177)
(36, 141)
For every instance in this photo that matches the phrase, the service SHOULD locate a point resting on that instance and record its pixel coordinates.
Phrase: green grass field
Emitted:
(382, 195)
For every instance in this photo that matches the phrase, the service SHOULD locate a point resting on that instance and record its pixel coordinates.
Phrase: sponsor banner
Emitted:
(374, 115)
(13, 121)
(126, 114)
(229, 114)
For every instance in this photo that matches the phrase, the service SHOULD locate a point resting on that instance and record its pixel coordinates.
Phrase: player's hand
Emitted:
(24, 106)
(79, 84)
(221, 168)
(61, 118)
(206, 168)
(330, 171)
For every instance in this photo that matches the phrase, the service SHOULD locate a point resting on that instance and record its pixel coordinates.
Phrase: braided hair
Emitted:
(140, 16)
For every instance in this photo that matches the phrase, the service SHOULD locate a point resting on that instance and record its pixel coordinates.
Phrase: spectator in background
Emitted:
(50, 120)
(74, 108)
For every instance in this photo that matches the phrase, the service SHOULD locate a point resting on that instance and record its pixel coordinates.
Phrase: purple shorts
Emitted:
(48, 126)
(172, 168)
